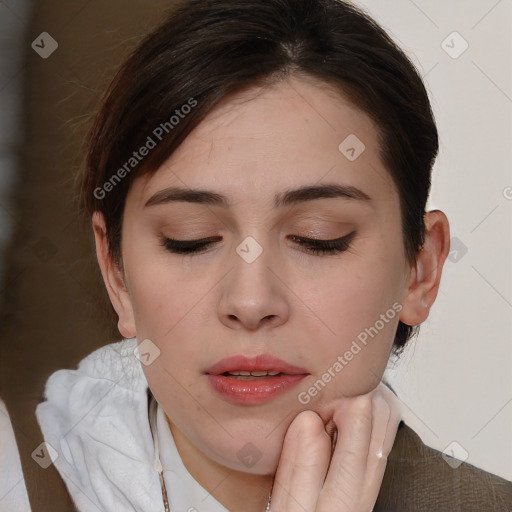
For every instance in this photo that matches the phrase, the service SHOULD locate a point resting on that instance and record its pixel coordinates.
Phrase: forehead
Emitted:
(264, 140)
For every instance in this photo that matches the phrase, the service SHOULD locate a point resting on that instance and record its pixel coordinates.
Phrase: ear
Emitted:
(425, 276)
(113, 279)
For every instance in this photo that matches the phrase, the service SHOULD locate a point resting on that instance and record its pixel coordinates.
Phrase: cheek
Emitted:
(161, 295)
(359, 313)
(167, 311)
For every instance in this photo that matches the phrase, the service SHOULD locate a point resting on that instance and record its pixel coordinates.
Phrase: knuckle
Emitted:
(363, 407)
(381, 409)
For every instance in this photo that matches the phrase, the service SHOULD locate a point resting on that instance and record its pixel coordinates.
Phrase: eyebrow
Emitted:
(286, 198)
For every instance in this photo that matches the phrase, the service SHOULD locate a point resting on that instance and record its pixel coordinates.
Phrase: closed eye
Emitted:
(335, 246)
(310, 245)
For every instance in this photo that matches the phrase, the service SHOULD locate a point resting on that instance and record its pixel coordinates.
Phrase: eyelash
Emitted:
(314, 246)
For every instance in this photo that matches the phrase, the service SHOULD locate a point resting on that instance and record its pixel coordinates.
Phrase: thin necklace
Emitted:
(158, 465)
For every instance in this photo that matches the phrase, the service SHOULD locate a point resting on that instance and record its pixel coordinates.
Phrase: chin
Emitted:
(258, 455)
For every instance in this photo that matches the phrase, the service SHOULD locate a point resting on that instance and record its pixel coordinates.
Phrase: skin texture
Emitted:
(304, 308)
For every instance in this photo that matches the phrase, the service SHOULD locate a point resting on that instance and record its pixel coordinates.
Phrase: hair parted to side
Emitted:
(207, 50)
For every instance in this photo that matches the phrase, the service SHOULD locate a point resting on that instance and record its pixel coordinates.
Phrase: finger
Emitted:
(394, 419)
(302, 466)
(380, 419)
(385, 419)
(377, 459)
(345, 479)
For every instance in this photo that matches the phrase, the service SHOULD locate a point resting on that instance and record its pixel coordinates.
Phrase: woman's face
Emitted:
(257, 289)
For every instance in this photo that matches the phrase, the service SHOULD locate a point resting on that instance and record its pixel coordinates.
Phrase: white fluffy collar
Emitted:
(95, 418)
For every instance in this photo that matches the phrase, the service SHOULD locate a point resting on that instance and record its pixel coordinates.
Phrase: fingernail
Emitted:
(330, 427)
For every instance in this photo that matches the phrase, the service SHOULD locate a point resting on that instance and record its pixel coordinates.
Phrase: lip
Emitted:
(253, 392)
(252, 364)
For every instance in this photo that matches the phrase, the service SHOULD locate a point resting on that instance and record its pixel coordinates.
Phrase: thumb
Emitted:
(303, 465)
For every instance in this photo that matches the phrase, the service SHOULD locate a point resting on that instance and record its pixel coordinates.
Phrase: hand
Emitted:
(311, 477)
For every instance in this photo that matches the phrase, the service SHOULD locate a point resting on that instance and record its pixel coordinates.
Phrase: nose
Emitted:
(254, 294)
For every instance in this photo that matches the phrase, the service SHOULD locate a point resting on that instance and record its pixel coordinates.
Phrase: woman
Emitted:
(257, 178)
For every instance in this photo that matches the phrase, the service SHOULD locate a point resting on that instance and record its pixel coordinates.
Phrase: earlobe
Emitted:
(424, 278)
(113, 278)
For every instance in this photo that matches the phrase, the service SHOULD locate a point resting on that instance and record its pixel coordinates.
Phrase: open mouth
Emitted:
(254, 375)
(253, 380)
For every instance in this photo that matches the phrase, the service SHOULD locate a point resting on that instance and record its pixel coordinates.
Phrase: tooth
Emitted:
(259, 373)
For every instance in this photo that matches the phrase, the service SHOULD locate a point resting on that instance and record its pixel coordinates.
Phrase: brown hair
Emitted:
(207, 50)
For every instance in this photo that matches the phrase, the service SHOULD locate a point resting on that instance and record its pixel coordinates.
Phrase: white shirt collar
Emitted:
(176, 476)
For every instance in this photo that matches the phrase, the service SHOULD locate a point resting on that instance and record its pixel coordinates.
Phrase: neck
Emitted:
(236, 490)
